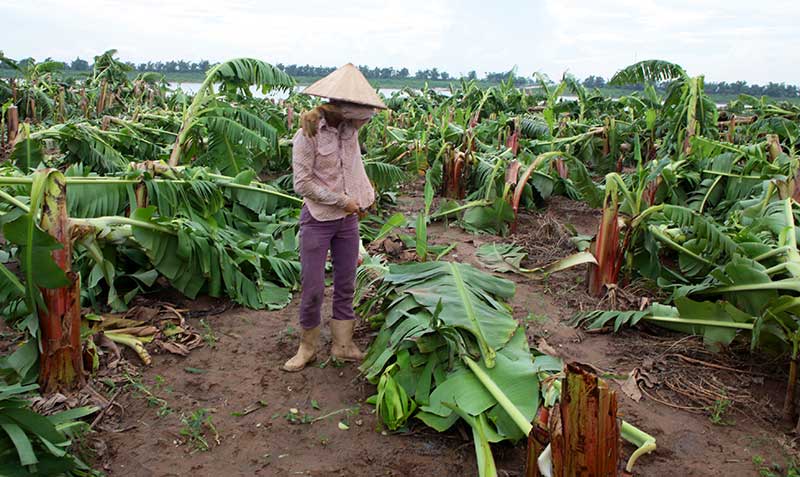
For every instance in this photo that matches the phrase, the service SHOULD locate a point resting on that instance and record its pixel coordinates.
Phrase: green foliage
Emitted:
(422, 221)
(32, 444)
(383, 174)
(718, 411)
(392, 403)
(436, 316)
(240, 73)
(508, 258)
(651, 71)
(195, 428)
(27, 155)
(775, 470)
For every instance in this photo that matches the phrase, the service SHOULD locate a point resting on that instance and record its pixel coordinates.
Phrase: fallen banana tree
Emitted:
(580, 432)
(188, 235)
(32, 444)
(505, 257)
(741, 276)
(449, 349)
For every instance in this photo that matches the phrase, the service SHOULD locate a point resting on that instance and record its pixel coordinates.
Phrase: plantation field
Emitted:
(268, 442)
(197, 78)
(542, 266)
(229, 378)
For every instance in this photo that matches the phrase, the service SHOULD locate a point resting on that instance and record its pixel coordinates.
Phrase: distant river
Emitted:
(387, 92)
(193, 87)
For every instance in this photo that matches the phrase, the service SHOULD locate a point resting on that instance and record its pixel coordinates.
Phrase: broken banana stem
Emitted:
(131, 342)
(644, 442)
(135, 330)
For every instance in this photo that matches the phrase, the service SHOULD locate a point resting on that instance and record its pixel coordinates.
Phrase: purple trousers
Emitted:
(316, 238)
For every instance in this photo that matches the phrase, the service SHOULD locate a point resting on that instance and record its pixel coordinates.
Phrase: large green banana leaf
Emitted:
(438, 316)
(466, 297)
(514, 373)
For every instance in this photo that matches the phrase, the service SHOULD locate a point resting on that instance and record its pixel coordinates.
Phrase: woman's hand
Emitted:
(351, 207)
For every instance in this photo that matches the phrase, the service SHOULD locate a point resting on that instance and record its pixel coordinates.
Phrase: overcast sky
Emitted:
(754, 40)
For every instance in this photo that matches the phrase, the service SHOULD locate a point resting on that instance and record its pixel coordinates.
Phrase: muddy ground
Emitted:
(268, 422)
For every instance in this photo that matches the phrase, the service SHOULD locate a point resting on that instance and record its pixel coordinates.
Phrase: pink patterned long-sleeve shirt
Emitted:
(328, 170)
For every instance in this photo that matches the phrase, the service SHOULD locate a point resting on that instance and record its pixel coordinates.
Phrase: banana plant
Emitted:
(32, 444)
(187, 235)
(726, 282)
(41, 234)
(508, 258)
(37, 89)
(446, 316)
(687, 111)
(422, 221)
(231, 130)
(429, 355)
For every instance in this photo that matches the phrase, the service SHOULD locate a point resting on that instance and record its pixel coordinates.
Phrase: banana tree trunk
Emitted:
(731, 129)
(584, 432)
(84, 103)
(538, 440)
(649, 193)
(774, 147)
(789, 402)
(61, 364)
(140, 190)
(454, 174)
(62, 105)
(13, 124)
(175, 155)
(607, 250)
(519, 188)
(561, 168)
(101, 98)
(32, 110)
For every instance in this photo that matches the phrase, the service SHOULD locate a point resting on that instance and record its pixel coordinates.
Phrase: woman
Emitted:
(330, 176)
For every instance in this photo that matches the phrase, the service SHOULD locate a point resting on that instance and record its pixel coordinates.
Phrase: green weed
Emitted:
(195, 426)
(295, 416)
(718, 411)
(161, 384)
(792, 468)
(141, 390)
(209, 337)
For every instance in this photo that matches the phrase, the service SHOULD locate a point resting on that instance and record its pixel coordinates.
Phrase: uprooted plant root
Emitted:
(683, 373)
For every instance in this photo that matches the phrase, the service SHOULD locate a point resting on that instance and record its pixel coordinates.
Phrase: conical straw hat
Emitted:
(346, 84)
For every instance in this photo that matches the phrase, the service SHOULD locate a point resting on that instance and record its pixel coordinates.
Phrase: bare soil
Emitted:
(251, 401)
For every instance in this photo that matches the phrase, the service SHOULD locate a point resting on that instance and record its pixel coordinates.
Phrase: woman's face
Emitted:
(353, 110)
(357, 114)
(333, 116)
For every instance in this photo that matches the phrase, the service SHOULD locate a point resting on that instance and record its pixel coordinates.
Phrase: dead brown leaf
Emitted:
(631, 386)
(173, 347)
(544, 347)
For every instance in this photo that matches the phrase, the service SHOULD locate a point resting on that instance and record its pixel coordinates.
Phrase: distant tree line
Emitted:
(374, 73)
(772, 89)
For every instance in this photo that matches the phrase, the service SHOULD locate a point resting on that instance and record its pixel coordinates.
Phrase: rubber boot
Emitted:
(342, 347)
(306, 352)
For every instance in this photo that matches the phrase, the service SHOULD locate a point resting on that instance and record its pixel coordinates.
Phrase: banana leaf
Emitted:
(438, 316)
(507, 257)
(514, 375)
(32, 444)
(466, 297)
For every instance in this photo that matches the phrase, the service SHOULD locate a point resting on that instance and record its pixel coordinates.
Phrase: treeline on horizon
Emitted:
(772, 89)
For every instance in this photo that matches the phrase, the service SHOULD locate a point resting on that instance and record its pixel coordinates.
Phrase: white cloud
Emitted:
(724, 39)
